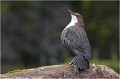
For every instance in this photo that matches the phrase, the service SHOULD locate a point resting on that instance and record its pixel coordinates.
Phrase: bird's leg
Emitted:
(76, 53)
(71, 61)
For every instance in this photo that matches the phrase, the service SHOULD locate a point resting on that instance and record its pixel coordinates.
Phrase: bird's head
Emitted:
(77, 18)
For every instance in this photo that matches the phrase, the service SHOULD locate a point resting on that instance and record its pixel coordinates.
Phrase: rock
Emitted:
(64, 71)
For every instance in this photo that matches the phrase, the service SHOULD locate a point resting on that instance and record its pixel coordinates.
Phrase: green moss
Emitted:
(18, 70)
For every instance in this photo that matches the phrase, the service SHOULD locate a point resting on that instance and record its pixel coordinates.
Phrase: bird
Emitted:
(74, 39)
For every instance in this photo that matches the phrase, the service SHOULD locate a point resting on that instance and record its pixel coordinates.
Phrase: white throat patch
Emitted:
(73, 21)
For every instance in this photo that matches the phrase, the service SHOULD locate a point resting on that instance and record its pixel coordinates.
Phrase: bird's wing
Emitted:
(77, 39)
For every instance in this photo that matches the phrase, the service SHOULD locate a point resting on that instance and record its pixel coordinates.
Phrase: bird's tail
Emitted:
(80, 62)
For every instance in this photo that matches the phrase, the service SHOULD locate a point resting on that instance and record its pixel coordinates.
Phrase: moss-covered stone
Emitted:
(18, 70)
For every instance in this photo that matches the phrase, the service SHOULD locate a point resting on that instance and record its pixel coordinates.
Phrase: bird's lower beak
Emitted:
(70, 11)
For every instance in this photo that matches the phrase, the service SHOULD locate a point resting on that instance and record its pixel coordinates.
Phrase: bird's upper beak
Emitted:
(70, 11)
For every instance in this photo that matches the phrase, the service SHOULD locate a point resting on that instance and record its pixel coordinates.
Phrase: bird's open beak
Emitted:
(70, 11)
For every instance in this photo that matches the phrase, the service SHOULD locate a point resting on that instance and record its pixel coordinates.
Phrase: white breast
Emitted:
(73, 21)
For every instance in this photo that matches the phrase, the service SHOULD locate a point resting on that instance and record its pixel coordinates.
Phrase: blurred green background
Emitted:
(30, 32)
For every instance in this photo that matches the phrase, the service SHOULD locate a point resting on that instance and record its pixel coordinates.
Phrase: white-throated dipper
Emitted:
(74, 39)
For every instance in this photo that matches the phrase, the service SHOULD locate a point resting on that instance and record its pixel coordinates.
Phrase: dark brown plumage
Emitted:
(74, 39)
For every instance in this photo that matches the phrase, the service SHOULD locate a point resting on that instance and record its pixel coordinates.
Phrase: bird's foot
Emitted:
(70, 63)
